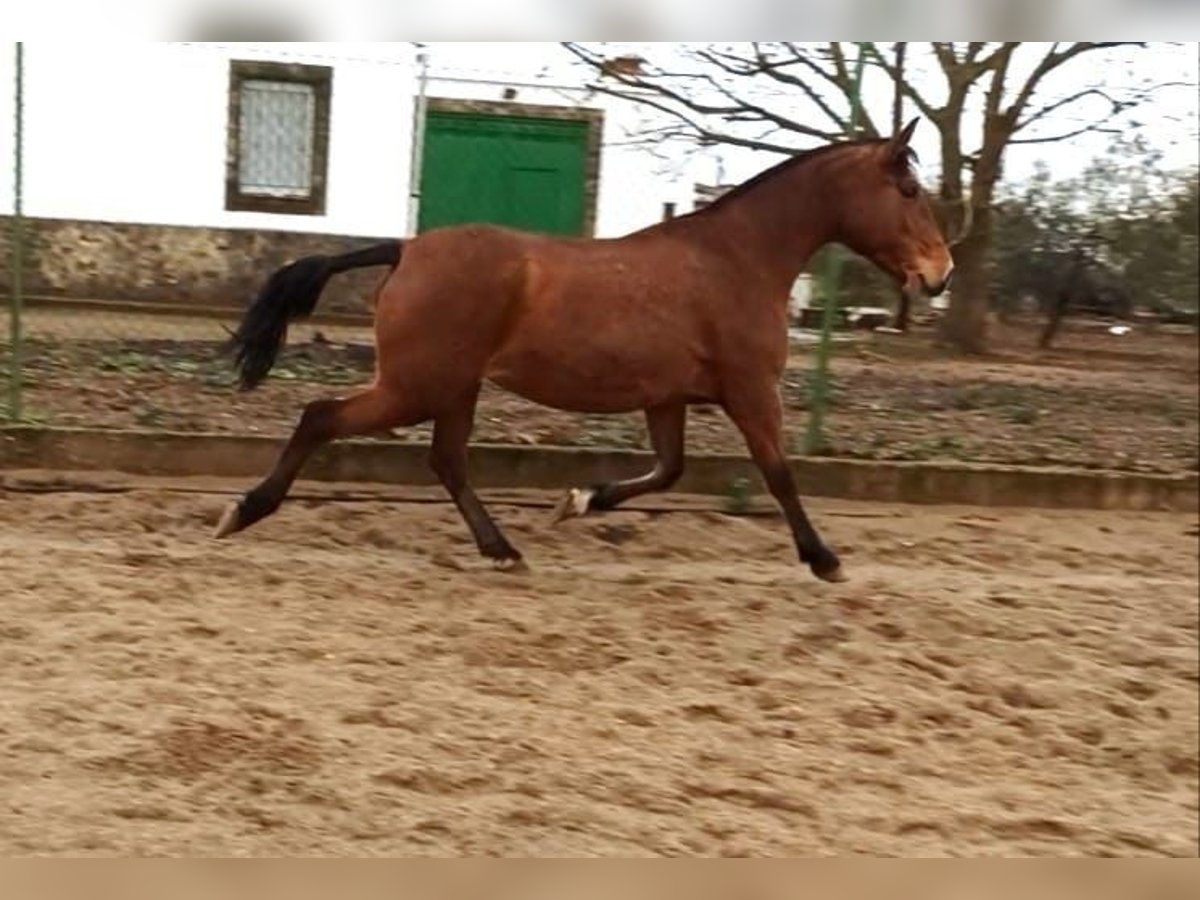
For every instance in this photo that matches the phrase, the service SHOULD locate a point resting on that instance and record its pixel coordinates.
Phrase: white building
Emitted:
(300, 137)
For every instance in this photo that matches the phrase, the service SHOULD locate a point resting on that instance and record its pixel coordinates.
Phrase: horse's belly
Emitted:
(593, 341)
(593, 377)
(584, 382)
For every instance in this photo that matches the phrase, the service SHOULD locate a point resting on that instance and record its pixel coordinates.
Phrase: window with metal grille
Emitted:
(278, 137)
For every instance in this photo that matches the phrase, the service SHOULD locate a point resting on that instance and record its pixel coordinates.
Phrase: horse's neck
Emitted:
(776, 226)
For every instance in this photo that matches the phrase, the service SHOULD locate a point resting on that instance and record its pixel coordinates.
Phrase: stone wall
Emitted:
(172, 264)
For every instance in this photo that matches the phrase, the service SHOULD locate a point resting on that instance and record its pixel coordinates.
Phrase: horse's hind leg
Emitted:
(666, 427)
(448, 458)
(323, 421)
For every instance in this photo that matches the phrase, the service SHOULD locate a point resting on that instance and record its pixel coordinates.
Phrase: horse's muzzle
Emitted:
(936, 288)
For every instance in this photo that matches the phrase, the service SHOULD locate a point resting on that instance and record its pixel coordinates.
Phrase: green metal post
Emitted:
(18, 241)
(815, 438)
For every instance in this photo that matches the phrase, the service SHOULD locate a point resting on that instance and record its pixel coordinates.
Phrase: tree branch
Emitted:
(1067, 101)
(1051, 61)
(834, 49)
(759, 110)
(840, 79)
(773, 70)
(899, 51)
(944, 51)
(708, 135)
(1067, 135)
(895, 73)
(726, 91)
(678, 104)
(998, 63)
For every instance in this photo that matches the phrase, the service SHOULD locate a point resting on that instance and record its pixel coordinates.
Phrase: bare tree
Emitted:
(982, 97)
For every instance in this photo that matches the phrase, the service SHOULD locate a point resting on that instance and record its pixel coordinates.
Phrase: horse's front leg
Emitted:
(758, 413)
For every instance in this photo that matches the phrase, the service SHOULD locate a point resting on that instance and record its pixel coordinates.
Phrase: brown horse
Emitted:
(691, 310)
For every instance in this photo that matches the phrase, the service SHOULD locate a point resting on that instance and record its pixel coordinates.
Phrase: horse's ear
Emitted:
(898, 145)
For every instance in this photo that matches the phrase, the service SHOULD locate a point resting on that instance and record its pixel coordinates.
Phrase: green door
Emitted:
(506, 170)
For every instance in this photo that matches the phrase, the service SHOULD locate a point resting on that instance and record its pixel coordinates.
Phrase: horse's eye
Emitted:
(909, 189)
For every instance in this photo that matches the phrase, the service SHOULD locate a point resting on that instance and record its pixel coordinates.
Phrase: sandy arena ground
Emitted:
(348, 678)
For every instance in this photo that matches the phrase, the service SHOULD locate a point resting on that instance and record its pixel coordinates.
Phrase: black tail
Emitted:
(291, 293)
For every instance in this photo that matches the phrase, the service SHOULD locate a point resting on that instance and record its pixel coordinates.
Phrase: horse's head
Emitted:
(889, 220)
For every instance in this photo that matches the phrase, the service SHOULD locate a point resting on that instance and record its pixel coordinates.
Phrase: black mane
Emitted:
(797, 159)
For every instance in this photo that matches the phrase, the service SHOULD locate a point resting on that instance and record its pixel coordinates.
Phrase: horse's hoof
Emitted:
(231, 521)
(836, 575)
(574, 504)
(511, 565)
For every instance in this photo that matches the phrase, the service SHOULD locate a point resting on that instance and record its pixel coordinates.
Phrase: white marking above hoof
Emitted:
(230, 521)
(574, 504)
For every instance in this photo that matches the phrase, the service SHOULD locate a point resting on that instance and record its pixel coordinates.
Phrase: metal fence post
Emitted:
(17, 247)
(420, 113)
(819, 403)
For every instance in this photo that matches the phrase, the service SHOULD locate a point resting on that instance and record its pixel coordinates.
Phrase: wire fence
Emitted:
(14, 343)
(147, 203)
(123, 282)
(205, 167)
(119, 319)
